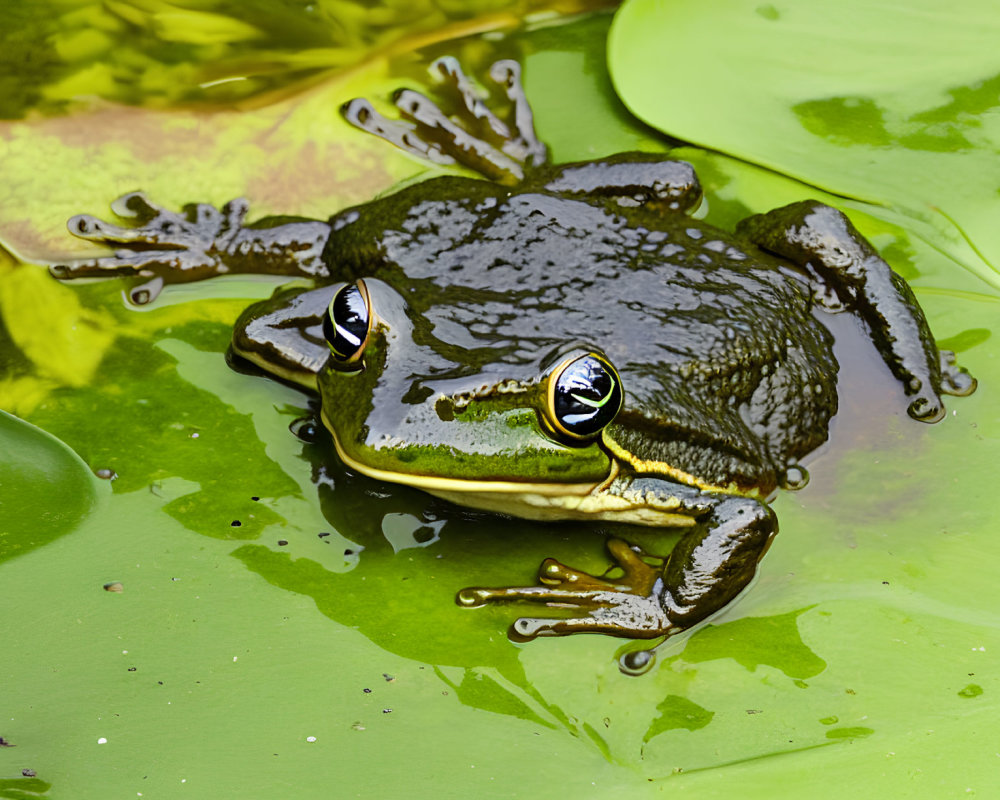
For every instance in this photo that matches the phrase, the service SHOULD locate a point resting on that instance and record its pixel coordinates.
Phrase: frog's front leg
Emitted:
(814, 234)
(199, 242)
(707, 568)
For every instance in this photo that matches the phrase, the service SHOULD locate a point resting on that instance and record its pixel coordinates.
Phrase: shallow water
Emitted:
(315, 649)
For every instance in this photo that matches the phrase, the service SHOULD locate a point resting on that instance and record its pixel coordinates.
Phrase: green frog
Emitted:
(558, 342)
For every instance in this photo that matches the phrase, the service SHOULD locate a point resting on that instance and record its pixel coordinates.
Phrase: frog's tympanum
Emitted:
(558, 342)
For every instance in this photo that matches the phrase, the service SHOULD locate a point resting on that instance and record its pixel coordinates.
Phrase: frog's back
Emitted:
(726, 372)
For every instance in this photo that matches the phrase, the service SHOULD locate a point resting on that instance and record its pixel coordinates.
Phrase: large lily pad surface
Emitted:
(287, 629)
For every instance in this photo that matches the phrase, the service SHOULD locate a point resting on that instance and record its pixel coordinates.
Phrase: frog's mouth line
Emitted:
(537, 501)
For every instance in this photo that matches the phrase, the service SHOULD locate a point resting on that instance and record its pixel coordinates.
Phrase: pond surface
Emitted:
(287, 628)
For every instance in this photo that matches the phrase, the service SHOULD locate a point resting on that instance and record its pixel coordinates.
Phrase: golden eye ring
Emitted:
(347, 324)
(583, 396)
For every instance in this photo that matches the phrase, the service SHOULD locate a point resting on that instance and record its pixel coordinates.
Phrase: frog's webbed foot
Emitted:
(161, 245)
(473, 135)
(626, 606)
(707, 568)
(199, 242)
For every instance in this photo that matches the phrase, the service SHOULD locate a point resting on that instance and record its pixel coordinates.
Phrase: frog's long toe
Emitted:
(620, 614)
(625, 606)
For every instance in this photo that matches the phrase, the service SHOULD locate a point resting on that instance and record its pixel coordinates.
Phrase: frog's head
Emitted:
(483, 426)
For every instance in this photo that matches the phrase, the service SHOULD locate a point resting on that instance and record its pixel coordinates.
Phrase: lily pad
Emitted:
(46, 491)
(321, 646)
(891, 104)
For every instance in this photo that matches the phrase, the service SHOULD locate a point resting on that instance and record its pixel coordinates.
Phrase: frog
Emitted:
(557, 342)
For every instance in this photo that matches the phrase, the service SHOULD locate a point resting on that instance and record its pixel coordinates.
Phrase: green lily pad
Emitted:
(46, 491)
(319, 646)
(894, 105)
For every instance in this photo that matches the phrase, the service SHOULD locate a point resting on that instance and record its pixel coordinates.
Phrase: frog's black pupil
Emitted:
(345, 325)
(587, 396)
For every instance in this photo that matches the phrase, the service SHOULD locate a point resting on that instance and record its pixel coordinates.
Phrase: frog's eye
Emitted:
(584, 396)
(346, 324)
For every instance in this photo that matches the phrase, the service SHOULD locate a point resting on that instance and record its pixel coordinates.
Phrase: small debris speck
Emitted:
(102, 740)
(310, 738)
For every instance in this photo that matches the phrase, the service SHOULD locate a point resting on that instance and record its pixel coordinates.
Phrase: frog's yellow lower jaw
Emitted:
(540, 505)
(537, 501)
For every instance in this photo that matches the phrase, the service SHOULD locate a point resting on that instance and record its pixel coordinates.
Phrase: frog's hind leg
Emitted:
(474, 137)
(814, 234)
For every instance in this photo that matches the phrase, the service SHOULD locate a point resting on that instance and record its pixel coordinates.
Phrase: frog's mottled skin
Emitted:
(727, 373)
(477, 288)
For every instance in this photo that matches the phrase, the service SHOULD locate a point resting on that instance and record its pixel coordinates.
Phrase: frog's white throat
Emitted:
(535, 501)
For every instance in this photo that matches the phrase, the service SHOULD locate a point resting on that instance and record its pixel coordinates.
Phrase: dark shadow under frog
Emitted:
(558, 342)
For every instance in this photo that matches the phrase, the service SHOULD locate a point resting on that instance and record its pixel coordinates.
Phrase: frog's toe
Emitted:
(926, 408)
(136, 206)
(612, 613)
(93, 229)
(106, 266)
(145, 292)
(159, 266)
(477, 596)
(555, 573)
(361, 114)
(955, 380)
(526, 146)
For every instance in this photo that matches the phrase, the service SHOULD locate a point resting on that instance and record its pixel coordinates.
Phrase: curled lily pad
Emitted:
(891, 104)
(45, 489)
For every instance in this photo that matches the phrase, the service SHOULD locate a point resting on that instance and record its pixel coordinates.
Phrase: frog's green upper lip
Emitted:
(436, 483)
